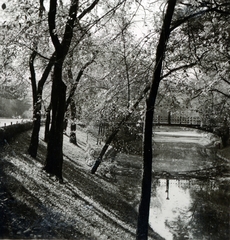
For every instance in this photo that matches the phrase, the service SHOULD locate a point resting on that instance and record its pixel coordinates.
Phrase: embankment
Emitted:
(8, 132)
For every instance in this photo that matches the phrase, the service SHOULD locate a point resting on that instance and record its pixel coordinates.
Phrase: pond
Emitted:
(190, 199)
(184, 207)
(190, 209)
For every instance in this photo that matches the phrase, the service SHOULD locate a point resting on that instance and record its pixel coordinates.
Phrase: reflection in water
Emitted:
(167, 188)
(182, 209)
(166, 208)
(190, 209)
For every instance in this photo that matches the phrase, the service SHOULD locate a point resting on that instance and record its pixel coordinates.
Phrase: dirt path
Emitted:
(34, 205)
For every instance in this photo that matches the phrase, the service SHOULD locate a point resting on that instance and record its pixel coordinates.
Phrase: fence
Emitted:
(178, 120)
(169, 119)
(11, 121)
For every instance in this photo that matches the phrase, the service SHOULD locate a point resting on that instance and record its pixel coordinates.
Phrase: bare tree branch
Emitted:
(69, 26)
(217, 90)
(80, 73)
(52, 24)
(87, 10)
(217, 9)
(178, 68)
(224, 79)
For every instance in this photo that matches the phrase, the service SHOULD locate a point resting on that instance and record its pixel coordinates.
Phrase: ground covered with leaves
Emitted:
(34, 205)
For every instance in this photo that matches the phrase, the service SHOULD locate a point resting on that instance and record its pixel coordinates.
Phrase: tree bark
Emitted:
(37, 98)
(37, 93)
(54, 158)
(32, 150)
(143, 214)
(72, 137)
(33, 147)
(47, 123)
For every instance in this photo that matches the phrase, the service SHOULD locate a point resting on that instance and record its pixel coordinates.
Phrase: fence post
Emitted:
(169, 118)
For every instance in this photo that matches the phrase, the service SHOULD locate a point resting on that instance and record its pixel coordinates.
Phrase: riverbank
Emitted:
(224, 154)
(34, 205)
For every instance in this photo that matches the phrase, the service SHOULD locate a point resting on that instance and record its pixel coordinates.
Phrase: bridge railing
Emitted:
(180, 120)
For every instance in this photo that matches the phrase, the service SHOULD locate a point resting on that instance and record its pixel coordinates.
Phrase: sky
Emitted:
(139, 17)
(2, 13)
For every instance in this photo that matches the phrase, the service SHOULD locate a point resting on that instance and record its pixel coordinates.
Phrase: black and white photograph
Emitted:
(114, 119)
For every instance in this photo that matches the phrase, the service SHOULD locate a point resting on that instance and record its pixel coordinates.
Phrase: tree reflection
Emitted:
(210, 211)
(204, 216)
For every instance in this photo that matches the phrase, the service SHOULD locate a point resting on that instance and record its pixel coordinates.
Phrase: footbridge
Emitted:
(160, 120)
(181, 121)
(163, 120)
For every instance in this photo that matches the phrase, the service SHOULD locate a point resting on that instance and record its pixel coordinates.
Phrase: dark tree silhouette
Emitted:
(37, 102)
(143, 215)
(54, 158)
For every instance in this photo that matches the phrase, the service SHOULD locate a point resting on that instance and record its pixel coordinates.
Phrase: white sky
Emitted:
(141, 26)
(2, 13)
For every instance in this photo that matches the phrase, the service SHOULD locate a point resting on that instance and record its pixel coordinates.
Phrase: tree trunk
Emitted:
(47, 124)
(37, 98)
(105, 147)
(54, 158)
(71, 95)
(37, 92)
(32, 150)
(143, 215)
(73, 138)
(117, 129)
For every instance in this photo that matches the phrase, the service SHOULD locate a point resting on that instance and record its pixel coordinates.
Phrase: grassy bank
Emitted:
(34, 205)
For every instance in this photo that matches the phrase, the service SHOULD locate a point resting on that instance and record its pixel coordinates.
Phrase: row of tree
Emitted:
(94, 61)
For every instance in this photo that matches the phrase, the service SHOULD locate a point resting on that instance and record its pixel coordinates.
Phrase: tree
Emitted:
(37, 90)
(70, 100)
(142, 227)
(14, 74)
(207, 83)
(27, 37)
(143, 214)
(54, 158)
(37, 103)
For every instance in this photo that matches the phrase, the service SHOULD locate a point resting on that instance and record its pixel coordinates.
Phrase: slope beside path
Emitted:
(34, 205)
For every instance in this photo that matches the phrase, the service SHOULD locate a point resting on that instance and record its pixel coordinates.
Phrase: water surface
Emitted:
(188, 208)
